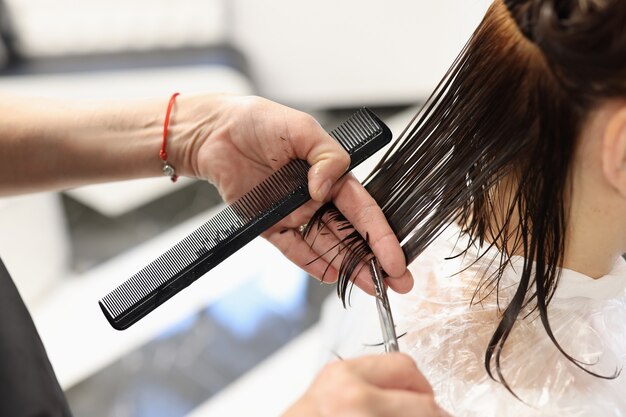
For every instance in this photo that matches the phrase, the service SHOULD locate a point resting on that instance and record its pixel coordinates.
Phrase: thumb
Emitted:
(327, 166)
(328, 159)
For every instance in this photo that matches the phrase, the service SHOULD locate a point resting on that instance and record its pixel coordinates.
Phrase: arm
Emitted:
(56, 145)
(233, 142)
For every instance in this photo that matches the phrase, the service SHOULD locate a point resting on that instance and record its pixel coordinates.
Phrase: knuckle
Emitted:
(405, 362)
(356, 397)
(364, 215)
(309, 121)
(429, 403)
(306, 123)
(380, 238)
(254, 101)
(335, 369)
(343, 159)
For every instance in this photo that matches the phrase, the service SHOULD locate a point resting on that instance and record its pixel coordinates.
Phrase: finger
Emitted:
(321, 248)
(363, 280)
(361, 210)
(402, 284)
(391, 371)
(328, 243)
(405, 404)
(324, 247)
(291, 244)
(328, 159)
(324, 241)
(287, 238)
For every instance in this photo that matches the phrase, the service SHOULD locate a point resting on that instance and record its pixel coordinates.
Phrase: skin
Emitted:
(370, 386)
(597, 222)
(57, 145)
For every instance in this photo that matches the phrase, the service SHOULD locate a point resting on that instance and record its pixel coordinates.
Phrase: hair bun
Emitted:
(542, 17)
(524, 13)
(583, 40)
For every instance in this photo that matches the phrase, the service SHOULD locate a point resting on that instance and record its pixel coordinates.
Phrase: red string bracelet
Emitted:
(168, 169)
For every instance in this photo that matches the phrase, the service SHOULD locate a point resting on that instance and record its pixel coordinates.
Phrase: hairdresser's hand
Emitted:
(237, 142)
(371, 386)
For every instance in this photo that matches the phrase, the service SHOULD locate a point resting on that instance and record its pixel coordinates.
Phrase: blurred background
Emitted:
(244, 339)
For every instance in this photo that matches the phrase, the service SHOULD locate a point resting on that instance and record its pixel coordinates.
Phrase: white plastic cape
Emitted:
(448, 338)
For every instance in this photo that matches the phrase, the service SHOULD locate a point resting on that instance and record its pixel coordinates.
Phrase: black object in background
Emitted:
(8, 51)
(29, 386)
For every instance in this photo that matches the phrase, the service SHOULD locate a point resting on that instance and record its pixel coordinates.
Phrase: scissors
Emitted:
(384, 310)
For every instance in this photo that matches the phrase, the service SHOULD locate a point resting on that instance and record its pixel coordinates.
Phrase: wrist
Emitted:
(132, 135)
(194, 120)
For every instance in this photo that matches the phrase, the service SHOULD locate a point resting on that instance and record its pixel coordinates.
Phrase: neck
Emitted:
(594, 238)
(596, 224)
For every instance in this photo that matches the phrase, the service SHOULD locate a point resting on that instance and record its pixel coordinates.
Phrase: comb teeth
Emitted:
(356, 130)
(258, 201)
(233, 227)
(354, 135)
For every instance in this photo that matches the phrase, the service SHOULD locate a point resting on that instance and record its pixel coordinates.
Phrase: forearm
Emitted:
(55, 145)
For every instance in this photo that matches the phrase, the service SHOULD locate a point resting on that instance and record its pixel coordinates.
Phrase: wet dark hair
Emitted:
(508, 113)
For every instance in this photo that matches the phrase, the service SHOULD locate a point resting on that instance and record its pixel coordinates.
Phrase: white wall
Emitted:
(351, 52)
(83, 26)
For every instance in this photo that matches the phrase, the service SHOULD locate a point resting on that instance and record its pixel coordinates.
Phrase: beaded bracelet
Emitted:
(168, 169)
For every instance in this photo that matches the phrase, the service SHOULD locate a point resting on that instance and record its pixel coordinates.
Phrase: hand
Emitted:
(370, 386)
(236, 142)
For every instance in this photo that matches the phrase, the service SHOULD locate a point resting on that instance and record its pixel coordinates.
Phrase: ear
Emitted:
(614, 151)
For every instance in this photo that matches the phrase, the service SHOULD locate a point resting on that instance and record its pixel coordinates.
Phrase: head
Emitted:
(526, 129)
(582, 44)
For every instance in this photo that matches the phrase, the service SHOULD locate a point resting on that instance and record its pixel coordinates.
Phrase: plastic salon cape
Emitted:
(448, 337)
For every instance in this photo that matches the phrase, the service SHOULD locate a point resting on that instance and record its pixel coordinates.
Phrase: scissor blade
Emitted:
(384, 309)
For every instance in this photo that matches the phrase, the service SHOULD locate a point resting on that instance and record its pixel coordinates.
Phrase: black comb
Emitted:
(232, 228)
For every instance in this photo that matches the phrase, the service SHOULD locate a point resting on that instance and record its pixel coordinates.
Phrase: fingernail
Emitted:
(323, 190)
